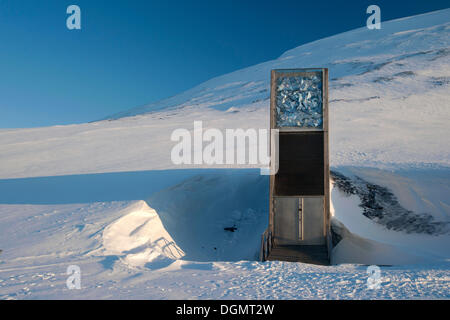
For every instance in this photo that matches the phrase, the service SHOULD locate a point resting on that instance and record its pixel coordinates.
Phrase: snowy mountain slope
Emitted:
(65, 198)
(354, 53)
(388, 107)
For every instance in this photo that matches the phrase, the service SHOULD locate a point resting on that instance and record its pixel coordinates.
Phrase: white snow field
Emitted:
(106, 197)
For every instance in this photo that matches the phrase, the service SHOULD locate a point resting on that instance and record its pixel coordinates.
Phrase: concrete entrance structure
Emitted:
(299, 227)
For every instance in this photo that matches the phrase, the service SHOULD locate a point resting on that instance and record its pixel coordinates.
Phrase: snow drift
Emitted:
(216, 217)
(140, 237)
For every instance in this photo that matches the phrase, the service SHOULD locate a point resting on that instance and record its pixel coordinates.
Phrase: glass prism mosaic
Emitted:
(299, 101)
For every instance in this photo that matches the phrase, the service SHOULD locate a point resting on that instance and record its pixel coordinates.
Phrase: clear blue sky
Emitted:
(130, 53)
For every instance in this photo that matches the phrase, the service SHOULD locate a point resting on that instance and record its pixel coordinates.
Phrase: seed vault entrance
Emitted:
(299, 191)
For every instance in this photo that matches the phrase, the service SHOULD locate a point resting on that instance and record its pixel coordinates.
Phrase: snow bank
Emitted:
(220, 216)
(358, 250)
(209, 217)
(140, 238)
(216, 217)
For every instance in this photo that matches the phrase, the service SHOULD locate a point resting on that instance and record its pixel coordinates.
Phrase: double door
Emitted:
(299, 220)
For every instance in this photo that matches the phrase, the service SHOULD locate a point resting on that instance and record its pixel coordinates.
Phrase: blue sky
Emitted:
(130, 53)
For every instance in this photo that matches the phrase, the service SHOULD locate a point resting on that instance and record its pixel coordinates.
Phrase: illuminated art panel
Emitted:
(299, 100)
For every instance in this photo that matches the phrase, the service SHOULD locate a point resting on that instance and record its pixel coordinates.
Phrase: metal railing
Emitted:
(266, 245)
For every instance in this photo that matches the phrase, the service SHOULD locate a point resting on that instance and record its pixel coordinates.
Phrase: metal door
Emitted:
(288, 223)
(298, 221)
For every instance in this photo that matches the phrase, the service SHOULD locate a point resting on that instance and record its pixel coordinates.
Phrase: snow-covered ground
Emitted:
(126, 249)
(105, 195)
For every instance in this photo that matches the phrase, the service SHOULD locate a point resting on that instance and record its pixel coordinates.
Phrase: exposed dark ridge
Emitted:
(383, 79)
(381, 205)
(405, 74)
(440, 53)
(440, 81)
(340, 85)
(355, 100)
